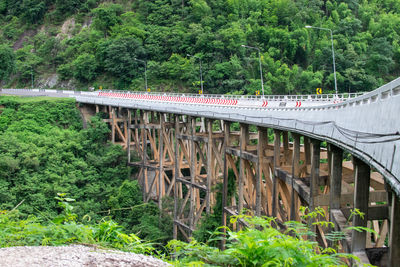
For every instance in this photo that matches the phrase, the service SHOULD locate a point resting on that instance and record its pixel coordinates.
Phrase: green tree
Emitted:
(106, 16)
(84, 67)
(7, 62)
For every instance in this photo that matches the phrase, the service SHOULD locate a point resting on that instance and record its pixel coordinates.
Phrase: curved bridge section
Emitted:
(334, 152)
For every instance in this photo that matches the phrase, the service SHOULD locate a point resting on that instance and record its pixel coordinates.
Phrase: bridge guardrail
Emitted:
(321, 97)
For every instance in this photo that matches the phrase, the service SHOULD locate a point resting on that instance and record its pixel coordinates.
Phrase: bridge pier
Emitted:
(394, 239)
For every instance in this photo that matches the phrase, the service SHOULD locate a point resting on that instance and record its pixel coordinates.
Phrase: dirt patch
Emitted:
(24, 37)
(66, 29)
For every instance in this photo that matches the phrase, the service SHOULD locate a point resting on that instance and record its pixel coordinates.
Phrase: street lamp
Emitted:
(201, 72)
(333, 52)
(32, 76)
(145, 68)
(259, 59)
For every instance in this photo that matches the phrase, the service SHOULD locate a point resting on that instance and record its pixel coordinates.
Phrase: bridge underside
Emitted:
(274, 172)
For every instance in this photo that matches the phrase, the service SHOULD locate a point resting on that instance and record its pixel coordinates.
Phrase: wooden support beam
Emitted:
(394, 239)
(261, 146)
(176, 175)
(361, 200)
(209, 163)
(112, 125)
(192, 129)
(277, 154)
(225, 183)
(161, 161)
(128, 139)
(294, 203)
(144, 157)
(244, 138)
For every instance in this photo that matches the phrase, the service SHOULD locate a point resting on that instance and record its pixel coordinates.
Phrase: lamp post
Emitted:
(259, 60)
(32, 76)
(201, 72)
(145, 69)
(333, 52)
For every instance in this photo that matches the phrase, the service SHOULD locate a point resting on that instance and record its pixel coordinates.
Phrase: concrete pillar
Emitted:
(315, 162)
(394, 239)
(362, 174)
(335, 176)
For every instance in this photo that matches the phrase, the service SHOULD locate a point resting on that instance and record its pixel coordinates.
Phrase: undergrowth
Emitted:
(262, 244)
(66, 229)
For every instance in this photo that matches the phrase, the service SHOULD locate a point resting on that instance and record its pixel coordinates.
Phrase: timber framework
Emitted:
(189, 159)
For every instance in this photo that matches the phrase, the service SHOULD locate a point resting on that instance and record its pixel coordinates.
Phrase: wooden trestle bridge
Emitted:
(276, 167)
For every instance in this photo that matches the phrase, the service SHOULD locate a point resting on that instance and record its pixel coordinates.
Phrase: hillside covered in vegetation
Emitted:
(89, 43)
(44, 151)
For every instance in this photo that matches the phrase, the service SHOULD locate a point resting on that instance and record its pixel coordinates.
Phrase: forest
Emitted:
(82, 44)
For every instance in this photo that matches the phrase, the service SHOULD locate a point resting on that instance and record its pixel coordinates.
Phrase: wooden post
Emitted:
(244, 137)
(175, 229)
(112, 125)
(209, 162)
(225, 185)
(262, 143)
(144, 156)
(128, 139)
(277, 154)
(161, 159)
(294, 207)
(394, 239)
(192, 128)
(362, 174)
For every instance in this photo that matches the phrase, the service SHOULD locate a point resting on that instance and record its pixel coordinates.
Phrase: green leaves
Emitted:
(7, 62)
(259, 244)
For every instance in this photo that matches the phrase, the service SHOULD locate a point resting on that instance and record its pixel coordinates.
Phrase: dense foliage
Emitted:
(64, 229)
(95, 43)
(44, 151)
(259, 244)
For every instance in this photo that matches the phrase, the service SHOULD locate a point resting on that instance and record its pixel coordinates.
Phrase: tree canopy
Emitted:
(105, 39)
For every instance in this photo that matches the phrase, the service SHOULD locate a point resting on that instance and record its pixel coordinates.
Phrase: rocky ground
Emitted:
(73, 256)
